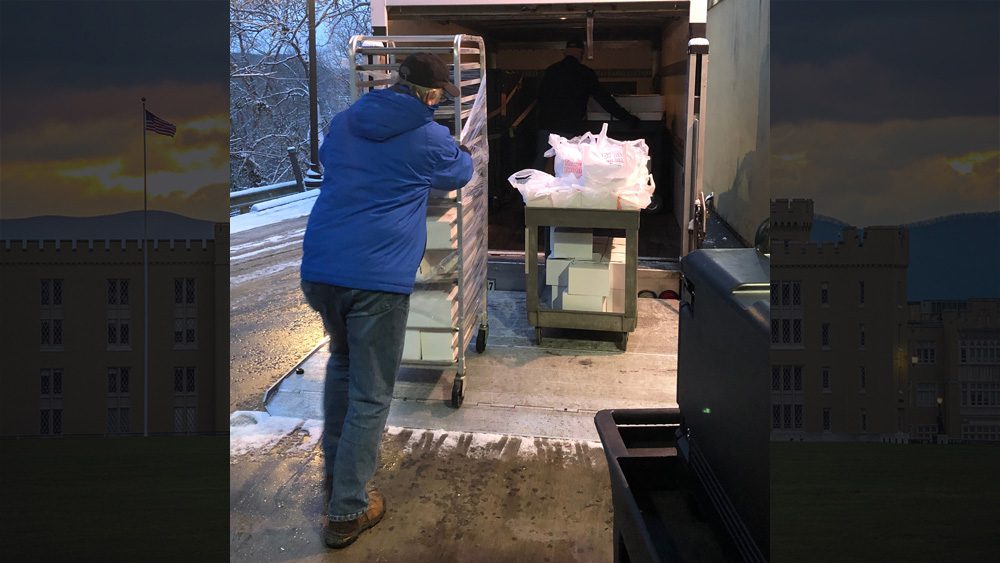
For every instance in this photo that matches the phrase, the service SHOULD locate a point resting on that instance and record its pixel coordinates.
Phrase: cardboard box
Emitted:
(634, 104)
(437, 346)
(555, 271)
(616, 301)
(432, 308)
(591, 303)
(589, 278)
(616, 273)
(571, 243)
(442, 232)
(411, 345)
(555, 294)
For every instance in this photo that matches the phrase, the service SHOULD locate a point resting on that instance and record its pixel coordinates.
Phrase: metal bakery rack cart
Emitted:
(448, 305)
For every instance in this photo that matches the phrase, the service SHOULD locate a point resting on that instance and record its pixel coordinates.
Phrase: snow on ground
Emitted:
(238, 250)
(259, 431)
(314, 428)
(484, 444)
(298, 208)
(254, 430)
(264, 272)
(272, 249)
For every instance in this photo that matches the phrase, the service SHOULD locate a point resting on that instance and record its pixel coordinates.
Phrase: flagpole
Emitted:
(145, 286)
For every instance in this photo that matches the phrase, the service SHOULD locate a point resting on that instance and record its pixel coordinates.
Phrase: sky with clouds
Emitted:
(886, 112)
(72, 142)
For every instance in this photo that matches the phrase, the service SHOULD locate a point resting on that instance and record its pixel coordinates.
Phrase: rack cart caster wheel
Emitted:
(458, 392)
(623, 342)
(538, 336)
(484, 332)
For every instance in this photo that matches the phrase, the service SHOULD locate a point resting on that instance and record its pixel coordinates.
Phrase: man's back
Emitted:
(380, 157)
(562, 98)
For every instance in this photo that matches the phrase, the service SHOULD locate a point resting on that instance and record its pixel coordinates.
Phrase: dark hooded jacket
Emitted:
(380, 159)
(562, 97)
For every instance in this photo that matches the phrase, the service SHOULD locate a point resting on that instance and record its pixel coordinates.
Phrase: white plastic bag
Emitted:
(535, 186)
(568, 154)
(614, 164)
(638, 198)
(592, 171)
(599, 198)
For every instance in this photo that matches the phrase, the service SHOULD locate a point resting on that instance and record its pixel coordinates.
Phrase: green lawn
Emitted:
(127, 499)
(874, 502)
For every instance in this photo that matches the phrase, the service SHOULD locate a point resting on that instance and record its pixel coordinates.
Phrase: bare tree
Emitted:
(269, 77)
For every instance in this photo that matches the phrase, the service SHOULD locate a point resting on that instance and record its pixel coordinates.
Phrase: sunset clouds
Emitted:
(889, 172)
(886, 124)
(72, 137)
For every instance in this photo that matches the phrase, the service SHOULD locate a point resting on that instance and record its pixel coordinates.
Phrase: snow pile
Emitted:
(259, 431)
(252, 430)
(484, 445)
(313, 429)
(293, 210)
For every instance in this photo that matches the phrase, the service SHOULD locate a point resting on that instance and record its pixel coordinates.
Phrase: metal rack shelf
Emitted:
(374, 60)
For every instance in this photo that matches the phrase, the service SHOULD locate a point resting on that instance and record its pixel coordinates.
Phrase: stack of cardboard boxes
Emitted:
(435, 309)
(584, 272)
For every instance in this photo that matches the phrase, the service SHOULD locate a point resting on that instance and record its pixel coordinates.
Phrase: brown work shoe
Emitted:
(343, 534)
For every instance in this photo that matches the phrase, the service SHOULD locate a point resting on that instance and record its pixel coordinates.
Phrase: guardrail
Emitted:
(240, 202)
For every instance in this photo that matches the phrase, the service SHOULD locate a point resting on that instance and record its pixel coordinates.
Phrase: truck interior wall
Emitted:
(736, 147)
(673, 87)
(630, 60)
(426, 27)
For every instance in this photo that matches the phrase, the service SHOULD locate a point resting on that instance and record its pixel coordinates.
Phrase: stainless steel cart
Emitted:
(544, 317)
(375, 60)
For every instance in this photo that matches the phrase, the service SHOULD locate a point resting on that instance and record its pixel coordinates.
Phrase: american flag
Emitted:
(157, 125)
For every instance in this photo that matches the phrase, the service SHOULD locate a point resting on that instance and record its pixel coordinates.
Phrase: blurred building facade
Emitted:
(851, 359)
(74, 313)
(955, 370)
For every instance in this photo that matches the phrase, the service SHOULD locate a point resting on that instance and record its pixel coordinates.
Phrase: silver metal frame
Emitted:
(378, 54)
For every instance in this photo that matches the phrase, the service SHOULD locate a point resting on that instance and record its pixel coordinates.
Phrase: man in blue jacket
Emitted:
(362, 247)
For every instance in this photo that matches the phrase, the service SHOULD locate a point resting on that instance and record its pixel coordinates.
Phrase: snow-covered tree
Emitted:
(269, 80)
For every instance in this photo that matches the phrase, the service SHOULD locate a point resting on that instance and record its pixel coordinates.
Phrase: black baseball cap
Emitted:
(574, 44)
(425, 69)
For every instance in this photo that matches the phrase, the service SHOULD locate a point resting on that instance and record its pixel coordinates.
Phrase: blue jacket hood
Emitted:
(384, 114)
(381, 157)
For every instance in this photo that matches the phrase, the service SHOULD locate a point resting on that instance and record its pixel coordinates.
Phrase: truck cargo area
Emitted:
(638, 49)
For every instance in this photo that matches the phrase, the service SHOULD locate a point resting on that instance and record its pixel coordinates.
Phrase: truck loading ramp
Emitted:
(516, 387)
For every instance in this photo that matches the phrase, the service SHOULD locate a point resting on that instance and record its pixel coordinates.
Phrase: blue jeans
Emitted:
(367, 329)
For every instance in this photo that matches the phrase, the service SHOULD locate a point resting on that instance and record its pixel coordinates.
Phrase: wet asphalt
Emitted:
(270, 325)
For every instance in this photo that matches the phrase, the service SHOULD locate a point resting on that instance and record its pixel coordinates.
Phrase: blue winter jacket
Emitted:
(381, 157)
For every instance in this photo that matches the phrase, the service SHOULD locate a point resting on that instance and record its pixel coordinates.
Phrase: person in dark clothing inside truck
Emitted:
(562, 99)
